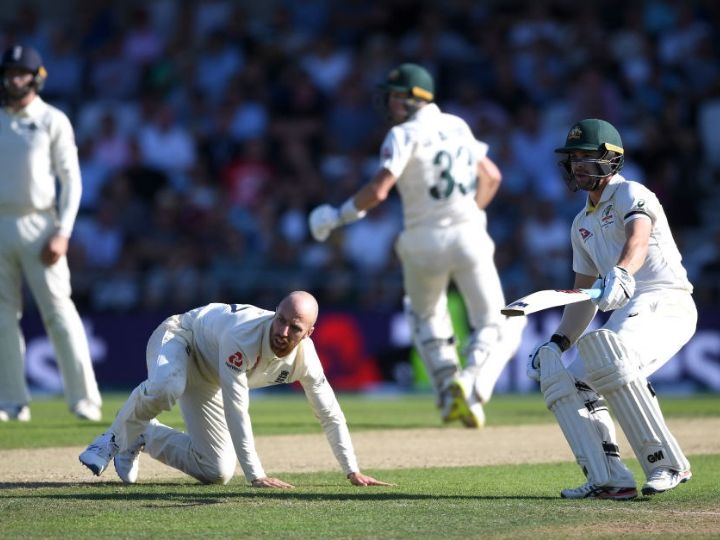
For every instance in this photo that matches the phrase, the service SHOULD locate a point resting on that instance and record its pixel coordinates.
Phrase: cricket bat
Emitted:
(547, 299)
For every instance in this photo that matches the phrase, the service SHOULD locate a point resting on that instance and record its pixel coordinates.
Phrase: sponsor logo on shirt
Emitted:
(235, 361)
(585, 233)
(386, 152)
(608, 216)
(283, 377)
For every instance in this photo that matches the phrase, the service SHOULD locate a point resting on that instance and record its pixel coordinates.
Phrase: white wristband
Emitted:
(349, 212)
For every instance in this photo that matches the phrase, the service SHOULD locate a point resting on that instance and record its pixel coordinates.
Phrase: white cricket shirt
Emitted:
(434, 157)
(231, 346)
(598, 236)
(37, 144)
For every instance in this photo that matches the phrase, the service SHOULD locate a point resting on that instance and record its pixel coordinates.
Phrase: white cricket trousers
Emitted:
(654, 326)
(432, 257)
(205, 451)
(22, 238)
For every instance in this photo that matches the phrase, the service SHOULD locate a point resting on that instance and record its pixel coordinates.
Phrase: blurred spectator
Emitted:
(166, 144)
(326, 64)
(546, 247)
(142, 43)
(111, 146)
(249, 175)
(113, 75)
(94, 175)
(368, 243)
(248, 114)
(595, 95)
(219, 61)
(351, 119)
(297, 124)
(249, 117)
(65, 65)
(98, 240)
(532, 148)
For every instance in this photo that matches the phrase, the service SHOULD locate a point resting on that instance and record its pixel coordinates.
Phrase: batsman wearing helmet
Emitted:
(445, 180)
(623, 236)
(37, 146)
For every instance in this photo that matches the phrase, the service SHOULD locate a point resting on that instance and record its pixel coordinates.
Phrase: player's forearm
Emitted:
(68, 206)
(633, 255)
(338, 436)
(244, 443)
(375, 191)
(576, 317)
(235, 403)
(327, 409)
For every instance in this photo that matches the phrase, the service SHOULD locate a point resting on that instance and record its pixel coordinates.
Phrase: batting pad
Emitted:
(612, 371)
(489, 364)
(435, 342)
(562, 398)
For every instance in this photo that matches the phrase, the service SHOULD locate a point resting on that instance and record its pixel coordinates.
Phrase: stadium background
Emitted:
(207, 131)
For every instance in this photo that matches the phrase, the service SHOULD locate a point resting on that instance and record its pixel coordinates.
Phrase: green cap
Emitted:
(592, 134)
(413, 79)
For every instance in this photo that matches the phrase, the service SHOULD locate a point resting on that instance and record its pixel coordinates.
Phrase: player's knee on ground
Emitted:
(218, 471)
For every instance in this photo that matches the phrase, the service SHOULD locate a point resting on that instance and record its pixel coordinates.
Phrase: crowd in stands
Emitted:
(208, 130)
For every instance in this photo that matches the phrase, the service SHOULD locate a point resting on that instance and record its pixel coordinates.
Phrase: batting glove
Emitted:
(325, 218)
(533, 364)
(322, 220)
(618, 288)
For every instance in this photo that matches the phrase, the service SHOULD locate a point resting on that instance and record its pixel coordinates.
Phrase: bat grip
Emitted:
(594, 293)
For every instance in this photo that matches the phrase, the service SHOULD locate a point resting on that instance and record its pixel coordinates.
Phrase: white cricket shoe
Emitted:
(591, 491)
(21, 413)
(469, 408)
(97, 456)
(87, 410)
(663, 479)
(127, 462)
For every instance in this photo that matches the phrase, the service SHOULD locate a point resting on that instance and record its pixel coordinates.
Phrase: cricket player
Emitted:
(621, 235)
(208, 359)
(445, 180)
(37, 146)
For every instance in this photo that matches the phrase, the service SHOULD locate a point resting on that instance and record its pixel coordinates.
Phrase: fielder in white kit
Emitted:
(37, 145)
(207, 359)
(445, 180)
(623, 236)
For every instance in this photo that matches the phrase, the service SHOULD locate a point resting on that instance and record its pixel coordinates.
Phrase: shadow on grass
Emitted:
(91, 492)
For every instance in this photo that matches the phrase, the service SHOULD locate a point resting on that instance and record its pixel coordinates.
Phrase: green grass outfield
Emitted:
(510, 501)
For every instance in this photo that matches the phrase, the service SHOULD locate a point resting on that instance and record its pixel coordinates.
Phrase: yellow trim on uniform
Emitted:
(589, 208)
(613, 148)
(421, 93)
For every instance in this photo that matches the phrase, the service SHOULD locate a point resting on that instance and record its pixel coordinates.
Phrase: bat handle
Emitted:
(594, 293)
